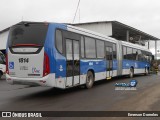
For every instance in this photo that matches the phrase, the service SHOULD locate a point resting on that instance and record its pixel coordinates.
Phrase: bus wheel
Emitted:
(146, 71)
(0, 74)
(89, 80)
(131, 73)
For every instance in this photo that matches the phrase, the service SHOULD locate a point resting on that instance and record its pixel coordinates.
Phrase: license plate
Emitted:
(23, 68)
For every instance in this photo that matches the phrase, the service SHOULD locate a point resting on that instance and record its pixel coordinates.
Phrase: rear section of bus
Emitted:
(26, 60)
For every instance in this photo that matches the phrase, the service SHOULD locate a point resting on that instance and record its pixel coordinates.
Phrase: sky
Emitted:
(140, 14)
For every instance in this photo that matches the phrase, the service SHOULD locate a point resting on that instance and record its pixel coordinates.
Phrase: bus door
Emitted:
(109, 60)
(72, 63)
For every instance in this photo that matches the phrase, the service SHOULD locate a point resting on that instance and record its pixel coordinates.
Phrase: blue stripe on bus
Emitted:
(95, 65)
(127, 64)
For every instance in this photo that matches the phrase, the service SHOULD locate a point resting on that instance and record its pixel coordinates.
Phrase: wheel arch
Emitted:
(132, 68)
(1, 72)
(93, 72)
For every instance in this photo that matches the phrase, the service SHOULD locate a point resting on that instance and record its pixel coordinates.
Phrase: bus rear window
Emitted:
(28, 34)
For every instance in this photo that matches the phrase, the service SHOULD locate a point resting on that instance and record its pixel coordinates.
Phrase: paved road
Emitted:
(102, 97)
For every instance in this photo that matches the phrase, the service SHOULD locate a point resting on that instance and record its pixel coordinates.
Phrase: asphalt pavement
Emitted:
(102, 97)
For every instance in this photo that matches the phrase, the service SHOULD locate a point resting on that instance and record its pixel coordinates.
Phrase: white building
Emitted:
(3, 39)
(122, 32)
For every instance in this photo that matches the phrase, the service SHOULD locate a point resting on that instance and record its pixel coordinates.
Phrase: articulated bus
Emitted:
(64, 56)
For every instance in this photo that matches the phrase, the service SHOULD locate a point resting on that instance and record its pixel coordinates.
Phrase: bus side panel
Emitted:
(115, 68)
(126, 65)
(139, 66)
(49, 47)
(57, 61)
(98, 66)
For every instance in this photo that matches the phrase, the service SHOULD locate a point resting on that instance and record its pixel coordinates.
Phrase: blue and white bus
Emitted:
(63, 56)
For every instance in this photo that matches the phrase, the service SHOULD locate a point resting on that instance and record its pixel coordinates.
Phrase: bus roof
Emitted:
(91, 33)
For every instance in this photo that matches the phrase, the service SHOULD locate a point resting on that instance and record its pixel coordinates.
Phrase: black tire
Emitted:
(146, 71)
(89, 80)
(131, 73)
(0, 75)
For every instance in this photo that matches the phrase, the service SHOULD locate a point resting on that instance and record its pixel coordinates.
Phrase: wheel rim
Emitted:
(89, 80)
(131, 73)
(146, 71)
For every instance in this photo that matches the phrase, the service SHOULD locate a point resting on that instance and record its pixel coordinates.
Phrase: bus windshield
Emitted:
(28, 34)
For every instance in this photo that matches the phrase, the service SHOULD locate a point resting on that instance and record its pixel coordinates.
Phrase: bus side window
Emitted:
(100, 49)
(139, 55)
(144, 55)
(90, 47)
(129, 53)
(135, 54)
(82, 47)
(59, 41)
(114, 51)
(124, 52)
